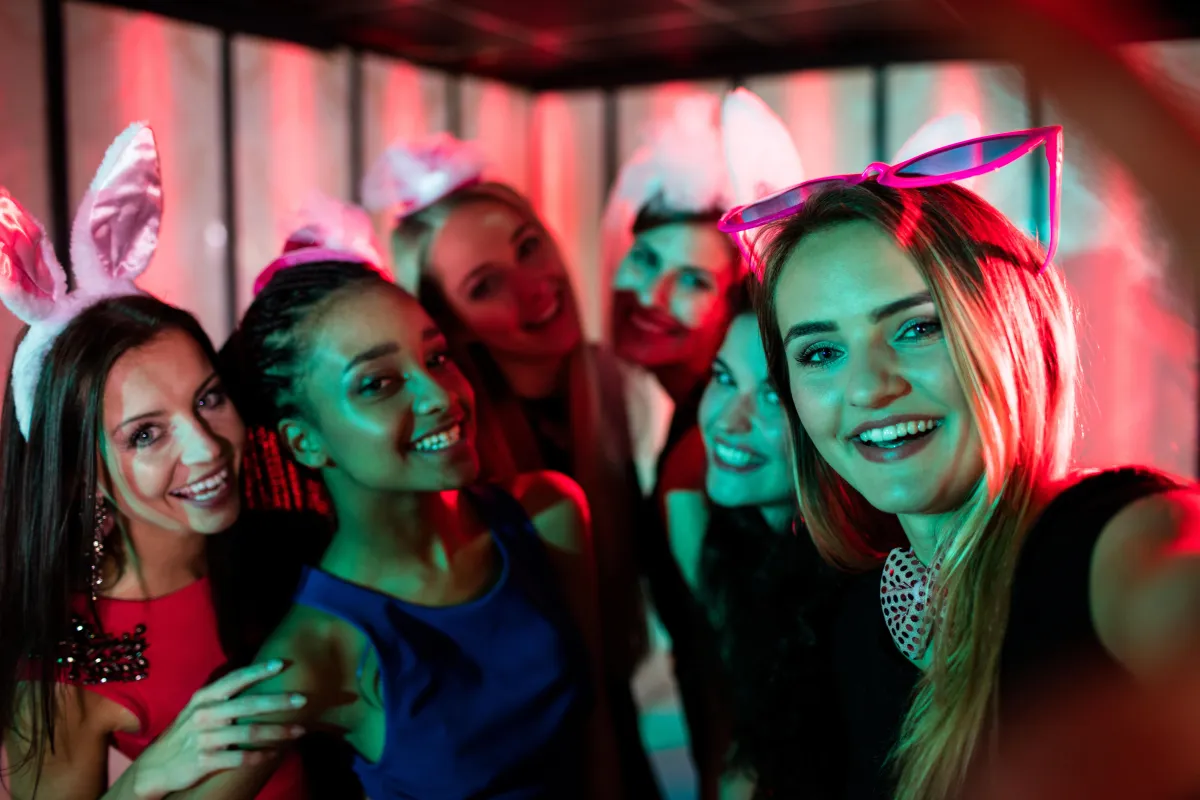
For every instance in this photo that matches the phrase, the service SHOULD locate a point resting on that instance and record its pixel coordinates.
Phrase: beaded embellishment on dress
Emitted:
(90, 656)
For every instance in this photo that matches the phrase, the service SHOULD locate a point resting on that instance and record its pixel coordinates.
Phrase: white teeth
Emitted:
(439, 441)
(733, 456)
(890, 433)
(205, 489)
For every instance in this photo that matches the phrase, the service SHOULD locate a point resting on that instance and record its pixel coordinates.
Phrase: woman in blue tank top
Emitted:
(448, 633)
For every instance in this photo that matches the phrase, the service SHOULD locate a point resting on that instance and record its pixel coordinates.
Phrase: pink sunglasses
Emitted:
(954, 162)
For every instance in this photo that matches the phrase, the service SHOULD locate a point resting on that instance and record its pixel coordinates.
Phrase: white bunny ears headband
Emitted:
(326, 229)
(113, 239)
(709, 155)
(410, 176)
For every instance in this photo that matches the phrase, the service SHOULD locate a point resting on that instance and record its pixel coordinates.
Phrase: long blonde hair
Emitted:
(1011, 338)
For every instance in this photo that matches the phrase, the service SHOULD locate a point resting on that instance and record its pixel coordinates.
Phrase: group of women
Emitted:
(409, 535)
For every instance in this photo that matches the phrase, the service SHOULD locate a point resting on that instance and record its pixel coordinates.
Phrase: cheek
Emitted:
(696, 308)
(141, 476)
(493, 316)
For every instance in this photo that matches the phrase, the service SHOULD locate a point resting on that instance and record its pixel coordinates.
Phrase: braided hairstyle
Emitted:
(265, 356)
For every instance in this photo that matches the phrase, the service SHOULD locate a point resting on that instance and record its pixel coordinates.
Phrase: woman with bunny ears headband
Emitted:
(484, 265)
(121, 462)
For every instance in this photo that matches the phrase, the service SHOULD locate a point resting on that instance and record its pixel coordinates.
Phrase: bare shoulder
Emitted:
(556, 505)
(1145, 577)
(314, 645)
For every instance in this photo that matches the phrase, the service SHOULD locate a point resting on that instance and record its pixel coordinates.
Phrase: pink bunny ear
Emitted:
(411, 176)
(759, 151)
(31, 279)
(939, 132)
(116, 229)
(323, 221)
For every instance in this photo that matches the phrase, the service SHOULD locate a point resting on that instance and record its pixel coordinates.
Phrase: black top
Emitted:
(1050, 620)
(1049, 626)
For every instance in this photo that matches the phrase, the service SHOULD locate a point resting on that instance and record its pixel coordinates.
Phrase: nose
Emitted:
(429, 396)
(654, 291)
(873, 379)
(735, 416)
(200, 445)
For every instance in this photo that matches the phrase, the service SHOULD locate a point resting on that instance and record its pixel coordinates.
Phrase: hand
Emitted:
(208, 735)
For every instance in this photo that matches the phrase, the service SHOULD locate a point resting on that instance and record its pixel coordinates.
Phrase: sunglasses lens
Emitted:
(779, 204)
(967, 156)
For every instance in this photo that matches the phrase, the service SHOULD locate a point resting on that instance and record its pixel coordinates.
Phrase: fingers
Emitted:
(237, 681)
(222, 760)
(246, 708)
(239, 735)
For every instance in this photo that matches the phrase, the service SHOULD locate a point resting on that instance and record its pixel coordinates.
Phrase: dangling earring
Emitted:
(99, 533)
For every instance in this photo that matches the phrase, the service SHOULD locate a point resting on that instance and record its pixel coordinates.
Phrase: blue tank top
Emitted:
(481, 700)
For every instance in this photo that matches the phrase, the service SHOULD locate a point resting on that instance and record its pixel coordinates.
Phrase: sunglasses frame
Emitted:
(889, 175)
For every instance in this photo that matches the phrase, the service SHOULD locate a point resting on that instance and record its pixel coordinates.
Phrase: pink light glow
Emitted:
(404, 114)
(292, 126)
(808, 112)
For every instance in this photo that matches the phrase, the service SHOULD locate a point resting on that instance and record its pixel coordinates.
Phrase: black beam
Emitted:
(228, 180)
(357, 126)
(879, 134)
(454, 105)
(612, 150)
(54, 73)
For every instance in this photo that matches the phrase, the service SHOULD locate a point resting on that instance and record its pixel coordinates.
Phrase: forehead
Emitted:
(689, 243)
(165, 372)
(471, 228)
(742, 347)
(843, 271)
(360, 318)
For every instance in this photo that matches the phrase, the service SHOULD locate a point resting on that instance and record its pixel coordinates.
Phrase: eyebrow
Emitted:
(212, 377)
(516, 234)
(801, 329)
(370, 354)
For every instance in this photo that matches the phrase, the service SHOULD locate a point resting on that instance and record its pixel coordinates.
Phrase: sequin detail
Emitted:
(90, 656)
(904, 591)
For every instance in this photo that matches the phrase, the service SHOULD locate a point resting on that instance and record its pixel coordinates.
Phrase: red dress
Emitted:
(151, 657)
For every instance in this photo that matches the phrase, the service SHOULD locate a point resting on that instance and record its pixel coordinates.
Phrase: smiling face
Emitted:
(670, 290)
(386, 408)
(743, 426)
(501, 275)
(172, 446)
(870, 373)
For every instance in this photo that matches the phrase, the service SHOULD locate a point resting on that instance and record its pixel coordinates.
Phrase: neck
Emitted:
(533, 379)
(379, 529)
(157, 561)
(778, 517)
(925, 532)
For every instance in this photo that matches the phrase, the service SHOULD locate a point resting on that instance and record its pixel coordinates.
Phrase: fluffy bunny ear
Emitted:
(116, 228)
(759, 150)
(32, 282)
(323, 221)
(939, 132)
(408, 177)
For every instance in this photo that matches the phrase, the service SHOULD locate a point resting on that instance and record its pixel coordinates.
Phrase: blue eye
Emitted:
(143, 437)
(695, 279)
(771, 396)
(723, 378)
(373, 385)
(213, 398)
(817, 355)
(921, 329)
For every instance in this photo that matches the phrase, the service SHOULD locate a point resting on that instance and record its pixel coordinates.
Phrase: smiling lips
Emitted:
(205, 489)
(443, 437)
(730, 457)
(894, 438)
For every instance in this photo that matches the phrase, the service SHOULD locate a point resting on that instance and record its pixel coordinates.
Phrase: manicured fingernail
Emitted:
(297, 700)
(275, 664)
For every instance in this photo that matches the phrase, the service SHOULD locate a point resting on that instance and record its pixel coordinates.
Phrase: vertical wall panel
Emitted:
(831, 114)
(23, 167)
(123, 67)
(400, 102)
(1139, 345)
(500, 119)
(639, 107)
(292, 137)
(995, 95)
(568, 188)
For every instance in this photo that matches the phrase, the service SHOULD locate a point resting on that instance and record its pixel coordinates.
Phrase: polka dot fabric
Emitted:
(904, 593)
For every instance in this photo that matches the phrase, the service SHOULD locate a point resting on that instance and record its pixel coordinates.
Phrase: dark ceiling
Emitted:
(545, 44)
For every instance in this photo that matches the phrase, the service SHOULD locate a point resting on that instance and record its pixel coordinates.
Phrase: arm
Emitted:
(311, 653)
(684, 506)
(559, 512)
(1145, 582)
(77, 767)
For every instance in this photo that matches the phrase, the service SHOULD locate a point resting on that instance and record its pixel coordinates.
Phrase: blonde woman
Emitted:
(927, 355)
